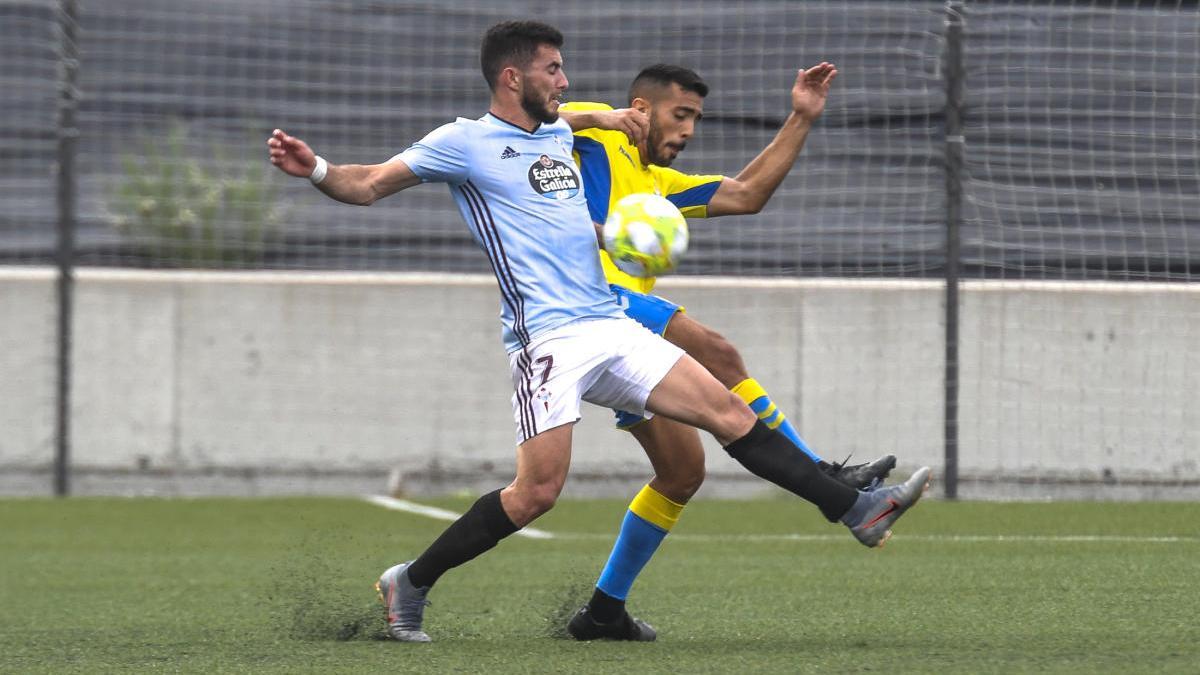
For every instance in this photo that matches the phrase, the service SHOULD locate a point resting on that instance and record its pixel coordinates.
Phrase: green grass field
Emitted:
(285, 585)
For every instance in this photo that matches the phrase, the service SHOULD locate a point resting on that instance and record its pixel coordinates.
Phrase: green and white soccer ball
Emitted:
(645, 235)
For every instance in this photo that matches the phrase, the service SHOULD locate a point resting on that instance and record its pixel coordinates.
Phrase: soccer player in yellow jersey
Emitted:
(626, 151)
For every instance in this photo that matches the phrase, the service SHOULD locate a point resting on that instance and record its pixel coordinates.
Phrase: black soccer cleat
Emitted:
(861, 476)
(583, 627)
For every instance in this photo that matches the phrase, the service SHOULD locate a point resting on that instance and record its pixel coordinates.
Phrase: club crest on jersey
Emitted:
(553, 179)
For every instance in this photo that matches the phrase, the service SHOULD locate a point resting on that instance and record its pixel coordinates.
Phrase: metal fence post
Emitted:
(68, 101)
(953, 71)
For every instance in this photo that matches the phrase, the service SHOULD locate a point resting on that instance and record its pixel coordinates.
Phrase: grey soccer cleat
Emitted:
(861, 476)
(405, 604)
(872, 516)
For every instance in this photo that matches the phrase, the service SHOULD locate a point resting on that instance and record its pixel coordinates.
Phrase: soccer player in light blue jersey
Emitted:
(513, 178)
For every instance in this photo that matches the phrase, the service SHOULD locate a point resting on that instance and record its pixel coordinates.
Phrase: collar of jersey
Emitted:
(489, 117)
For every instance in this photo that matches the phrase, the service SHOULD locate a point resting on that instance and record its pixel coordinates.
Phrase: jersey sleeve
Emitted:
(592, 160)
(440, 157)
(690, 193)
(584, 106)
(597, 176)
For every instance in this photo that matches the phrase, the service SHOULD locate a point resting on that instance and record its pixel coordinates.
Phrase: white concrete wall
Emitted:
(222, 377)
(1065, 378)
(28, 348)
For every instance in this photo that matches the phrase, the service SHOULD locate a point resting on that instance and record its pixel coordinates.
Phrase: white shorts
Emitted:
(613, 363)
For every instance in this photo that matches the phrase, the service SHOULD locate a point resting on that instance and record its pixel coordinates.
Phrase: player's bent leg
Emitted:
(691, 395)
(869, 515)
(542, 463)
(724, 361)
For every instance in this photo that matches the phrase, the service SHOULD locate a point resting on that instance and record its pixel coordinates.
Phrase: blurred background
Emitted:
(986, 259)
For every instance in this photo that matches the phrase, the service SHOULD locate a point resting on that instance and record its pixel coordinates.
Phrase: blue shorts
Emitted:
(652, 312)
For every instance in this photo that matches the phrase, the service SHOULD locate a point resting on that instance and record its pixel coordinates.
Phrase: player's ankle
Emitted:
(604, 608)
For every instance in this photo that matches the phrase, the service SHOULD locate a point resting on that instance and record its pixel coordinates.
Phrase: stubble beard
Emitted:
(538, 109)
(653, 139)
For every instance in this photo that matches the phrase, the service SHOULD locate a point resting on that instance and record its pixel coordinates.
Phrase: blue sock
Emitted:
(788, 430)
(635, 545)
(649, 518)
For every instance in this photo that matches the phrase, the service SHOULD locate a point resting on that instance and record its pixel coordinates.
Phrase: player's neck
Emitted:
(513, 114)
(643, 157)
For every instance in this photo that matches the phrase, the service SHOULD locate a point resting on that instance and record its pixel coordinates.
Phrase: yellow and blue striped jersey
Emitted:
(612, 168)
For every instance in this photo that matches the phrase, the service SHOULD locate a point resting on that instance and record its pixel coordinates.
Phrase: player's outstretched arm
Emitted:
(750, 190)
(361, 184)
(630, 121)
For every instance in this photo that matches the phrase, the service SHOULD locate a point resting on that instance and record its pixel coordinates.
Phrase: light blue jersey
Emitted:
(522, 197)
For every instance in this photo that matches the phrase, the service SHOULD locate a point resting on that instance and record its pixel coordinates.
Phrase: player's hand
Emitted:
(291, 155)
(811, 89)
(630, 121)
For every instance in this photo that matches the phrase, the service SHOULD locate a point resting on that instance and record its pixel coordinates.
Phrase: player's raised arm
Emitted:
(630, 121)
(749, 191)
(360, 184)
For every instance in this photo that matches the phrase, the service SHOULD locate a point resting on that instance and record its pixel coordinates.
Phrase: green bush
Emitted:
(177, 213)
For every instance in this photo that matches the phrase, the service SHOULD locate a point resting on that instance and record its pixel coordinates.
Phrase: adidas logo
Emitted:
(509, 153)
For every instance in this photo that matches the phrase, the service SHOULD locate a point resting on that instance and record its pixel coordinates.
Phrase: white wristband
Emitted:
(319, 170)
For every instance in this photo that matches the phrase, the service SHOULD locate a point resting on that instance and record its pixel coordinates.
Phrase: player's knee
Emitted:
(688, 482)
(541, 498)
(530, 500)
(681, 483)
(734, 417)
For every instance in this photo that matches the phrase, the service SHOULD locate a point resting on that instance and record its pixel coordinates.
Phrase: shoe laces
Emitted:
(412, 609)
(836, 467)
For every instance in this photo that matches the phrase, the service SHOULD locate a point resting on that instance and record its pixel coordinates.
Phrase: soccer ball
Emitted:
(645, 235)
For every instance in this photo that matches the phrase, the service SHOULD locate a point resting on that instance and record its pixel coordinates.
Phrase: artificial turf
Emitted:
(285, 585)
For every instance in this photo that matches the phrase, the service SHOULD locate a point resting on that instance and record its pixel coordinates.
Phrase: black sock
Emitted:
(476, 531)
(769, 454)
(604, 607)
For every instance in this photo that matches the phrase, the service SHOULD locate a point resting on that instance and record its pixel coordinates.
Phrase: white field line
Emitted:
(439, 514)
(443, 514)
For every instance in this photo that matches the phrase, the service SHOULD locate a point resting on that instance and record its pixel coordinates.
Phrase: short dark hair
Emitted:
(662, 75)
(514, 42)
